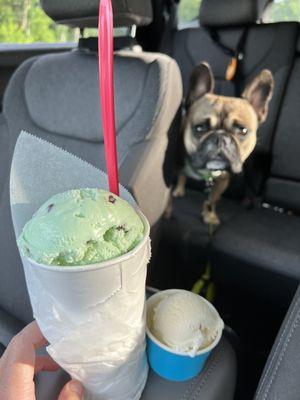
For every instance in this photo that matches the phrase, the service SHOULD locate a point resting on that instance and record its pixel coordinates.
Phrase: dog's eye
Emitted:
(201, 128)
(240, 129)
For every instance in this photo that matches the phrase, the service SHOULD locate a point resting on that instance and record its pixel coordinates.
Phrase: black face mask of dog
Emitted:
(219, 131)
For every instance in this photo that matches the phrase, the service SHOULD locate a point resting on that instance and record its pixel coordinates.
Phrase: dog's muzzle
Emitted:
(217, 164)
(218, 151)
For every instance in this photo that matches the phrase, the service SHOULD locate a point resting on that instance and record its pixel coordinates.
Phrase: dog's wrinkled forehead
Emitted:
(222, 112)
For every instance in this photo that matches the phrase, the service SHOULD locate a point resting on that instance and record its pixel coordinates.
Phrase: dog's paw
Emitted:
(179, 192)
(209, 216)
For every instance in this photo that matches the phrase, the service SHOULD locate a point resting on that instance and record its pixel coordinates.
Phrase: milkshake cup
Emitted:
(93, 316)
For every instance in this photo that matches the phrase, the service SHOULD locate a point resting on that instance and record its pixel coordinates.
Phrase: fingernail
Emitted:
(76, 387)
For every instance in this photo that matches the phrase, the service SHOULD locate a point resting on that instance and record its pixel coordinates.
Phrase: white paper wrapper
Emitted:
(92, 316)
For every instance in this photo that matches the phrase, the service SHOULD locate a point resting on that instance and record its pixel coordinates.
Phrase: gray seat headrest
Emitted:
(84, 13)
(214, 13)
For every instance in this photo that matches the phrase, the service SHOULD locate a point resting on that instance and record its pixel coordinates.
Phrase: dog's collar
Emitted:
(200, 174)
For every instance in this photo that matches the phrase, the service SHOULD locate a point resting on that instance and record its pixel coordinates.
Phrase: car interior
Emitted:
(51, 91)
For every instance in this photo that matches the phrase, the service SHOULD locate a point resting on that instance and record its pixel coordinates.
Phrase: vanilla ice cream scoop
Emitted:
(185, 322)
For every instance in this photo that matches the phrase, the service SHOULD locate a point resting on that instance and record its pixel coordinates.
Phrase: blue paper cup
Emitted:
(169, 363)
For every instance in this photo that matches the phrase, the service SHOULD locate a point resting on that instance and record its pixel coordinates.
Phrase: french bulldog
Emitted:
(219, 132)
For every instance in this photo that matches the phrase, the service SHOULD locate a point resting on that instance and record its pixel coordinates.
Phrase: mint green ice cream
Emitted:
(81, 227)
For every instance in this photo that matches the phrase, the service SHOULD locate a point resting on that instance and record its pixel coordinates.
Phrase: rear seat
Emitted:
(267, 241)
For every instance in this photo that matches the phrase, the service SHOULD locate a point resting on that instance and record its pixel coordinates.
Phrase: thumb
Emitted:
(73, 390)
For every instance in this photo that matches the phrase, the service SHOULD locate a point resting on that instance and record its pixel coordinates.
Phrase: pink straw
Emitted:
(106, 87)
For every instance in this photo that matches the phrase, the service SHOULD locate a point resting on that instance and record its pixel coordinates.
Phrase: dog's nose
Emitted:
(215, 140)
(219, 139)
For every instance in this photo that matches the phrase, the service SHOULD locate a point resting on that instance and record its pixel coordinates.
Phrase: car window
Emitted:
(188, 13)
(282, 10)
(24, 21)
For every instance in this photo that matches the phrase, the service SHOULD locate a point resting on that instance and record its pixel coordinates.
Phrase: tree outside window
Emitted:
(283, 10)
(24, 21)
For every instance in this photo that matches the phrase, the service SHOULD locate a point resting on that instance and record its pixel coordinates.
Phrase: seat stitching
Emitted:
(164, 65)
(188, 390)
(203, 378)
(163, 82)
(199, 379)
(136, 108)
(214, 365)
(163, 74)
(296, 323)
(278, 345)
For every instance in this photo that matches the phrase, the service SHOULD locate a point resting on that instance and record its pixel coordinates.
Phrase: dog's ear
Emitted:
(201, 82)
(259, 93)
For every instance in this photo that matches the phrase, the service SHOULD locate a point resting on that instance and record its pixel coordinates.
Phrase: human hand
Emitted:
(19, 363)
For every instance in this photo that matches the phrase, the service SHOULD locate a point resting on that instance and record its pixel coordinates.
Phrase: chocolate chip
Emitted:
(89, 241)
(111, 199)
(49, 208)
(122, 228)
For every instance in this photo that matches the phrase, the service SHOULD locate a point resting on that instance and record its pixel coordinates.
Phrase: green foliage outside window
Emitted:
(188, 10)
(23, 21)
(283, 10)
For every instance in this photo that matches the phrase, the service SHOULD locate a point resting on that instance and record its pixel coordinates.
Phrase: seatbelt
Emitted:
(234, 71)
(205, 286)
